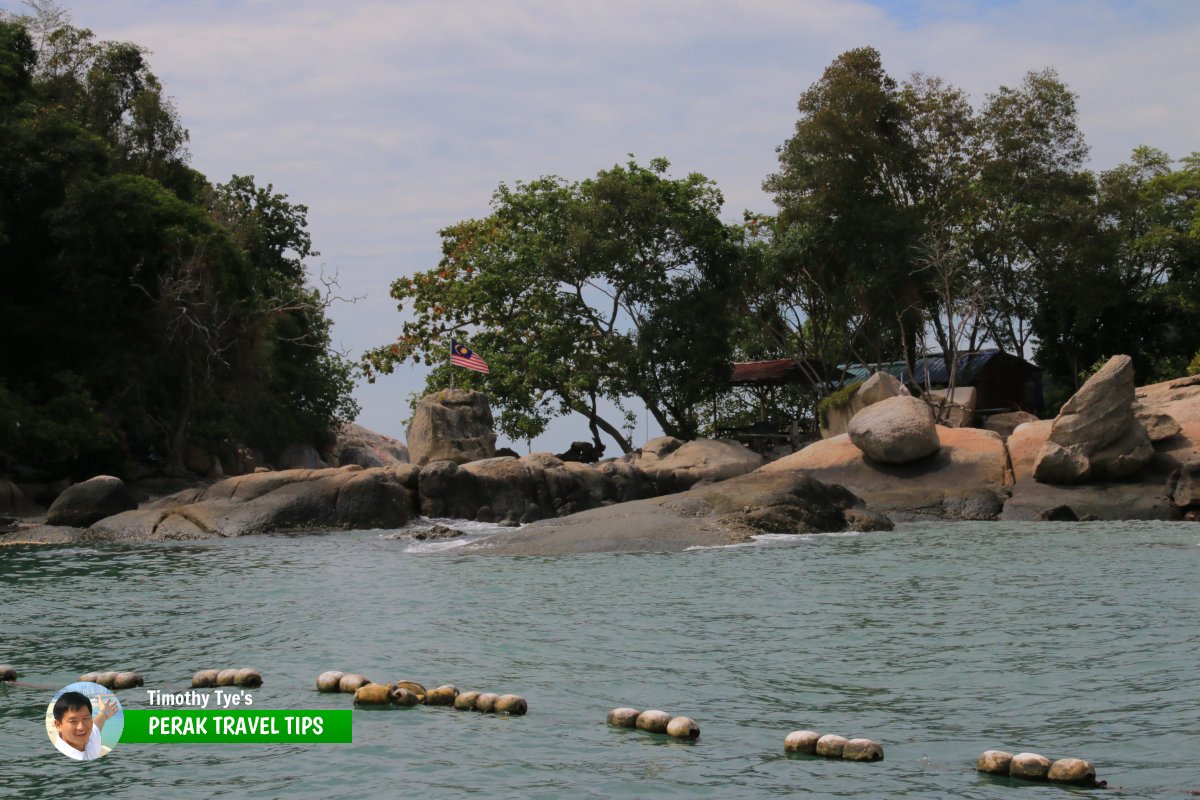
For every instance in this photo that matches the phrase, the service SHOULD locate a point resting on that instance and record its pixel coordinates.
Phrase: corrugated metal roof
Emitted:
(930, 368)
(758, 371)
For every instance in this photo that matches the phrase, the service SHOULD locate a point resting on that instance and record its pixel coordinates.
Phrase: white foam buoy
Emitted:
(862, 750)
(801, 742)
(623, 717)
(831, 745)
(512, 704)
(250, 678)
(486, 702)
(227, 677)
(373, 694)
(326, 681)
(403, 697)
(653, 721)
(994, 762)
(466, 701)
(350, 682)
(1030, 766)
(1073, 771)
(442, 696)
(683, 728)
(7, 673)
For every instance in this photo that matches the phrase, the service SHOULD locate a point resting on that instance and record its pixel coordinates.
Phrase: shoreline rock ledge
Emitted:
(729, 512)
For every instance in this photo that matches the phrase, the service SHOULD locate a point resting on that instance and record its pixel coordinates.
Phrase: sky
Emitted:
(393, 120)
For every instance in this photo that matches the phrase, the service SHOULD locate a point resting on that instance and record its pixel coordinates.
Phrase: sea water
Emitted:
(937, 640)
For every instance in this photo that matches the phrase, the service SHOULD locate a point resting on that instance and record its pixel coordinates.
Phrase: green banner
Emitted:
(195, 726)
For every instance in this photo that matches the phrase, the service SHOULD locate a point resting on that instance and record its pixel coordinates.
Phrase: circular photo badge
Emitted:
(84, 721)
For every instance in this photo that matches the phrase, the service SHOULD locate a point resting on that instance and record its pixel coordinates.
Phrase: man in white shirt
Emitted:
(78, 730)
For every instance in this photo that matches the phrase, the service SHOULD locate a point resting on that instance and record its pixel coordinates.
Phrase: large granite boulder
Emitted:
(291, 500)
(968, 477)
(895, 431)
(451, 425)
(1096, 435)
(536, 486)
(358, 445)
(94, 499)
(1004, 424)
(689, 463)
(15, 503)
(880, 386)
(729, 512)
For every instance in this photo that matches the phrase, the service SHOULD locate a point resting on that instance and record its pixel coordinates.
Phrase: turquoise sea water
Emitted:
(938, 640)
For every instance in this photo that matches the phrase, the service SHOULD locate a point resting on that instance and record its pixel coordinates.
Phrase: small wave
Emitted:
(472, 532)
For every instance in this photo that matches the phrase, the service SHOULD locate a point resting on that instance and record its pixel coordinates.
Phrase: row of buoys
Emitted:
(654, 721)
(833, 746)
(114, 680)
(207, 678)
(1036, 767)
(345, 682)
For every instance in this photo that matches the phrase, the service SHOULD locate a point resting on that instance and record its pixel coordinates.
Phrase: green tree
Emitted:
(607, 288)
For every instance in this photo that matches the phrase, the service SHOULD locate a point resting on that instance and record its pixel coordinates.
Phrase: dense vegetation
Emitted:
(145, 308)
(906, 220)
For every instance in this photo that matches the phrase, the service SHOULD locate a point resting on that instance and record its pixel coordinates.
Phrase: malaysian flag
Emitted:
(464, 356)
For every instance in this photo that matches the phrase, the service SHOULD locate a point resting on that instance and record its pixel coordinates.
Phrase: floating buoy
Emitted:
(205, 678)
(466, 701)
(1072, 770)
(623, 717)
(373, 694)
(227, 677)
(994, 762)
(1029, 766)
(442, 696)
(106, 679)
(653, 721)
(350, 682)
(7, 673)
(512, 704)
(89, 677)
(127, 680)
(831, 745)
(801, 742)
(486, 702)
(326, 681)
(403, 697)
(683, 728)
(415, 688)
(862, 750)
(248, 677)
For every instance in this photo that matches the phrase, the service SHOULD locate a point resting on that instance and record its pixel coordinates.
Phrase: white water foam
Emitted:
(472, 532)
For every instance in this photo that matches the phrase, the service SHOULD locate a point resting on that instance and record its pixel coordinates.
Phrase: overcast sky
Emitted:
(392, 120)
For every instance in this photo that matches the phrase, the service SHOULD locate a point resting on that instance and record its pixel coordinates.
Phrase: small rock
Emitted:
(205, 678)
(994, 762)
(1072, 770)
(653, 721)
(831, 745)
(623, 717)
(326, 681)
(801, 742)
(466, 701)
(512, 704)
(486, 702)
(437, 532)
(373, 694)
(1029, 766)
(683, 728)
(862, 750)
(351, 682)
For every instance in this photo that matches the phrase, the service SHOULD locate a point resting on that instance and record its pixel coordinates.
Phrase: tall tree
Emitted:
(602, 289)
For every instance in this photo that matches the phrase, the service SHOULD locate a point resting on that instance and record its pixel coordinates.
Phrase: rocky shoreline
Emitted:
(1115, 453)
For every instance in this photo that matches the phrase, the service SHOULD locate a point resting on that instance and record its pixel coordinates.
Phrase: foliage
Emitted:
(836, 400)
(179, 308)
(577, 292)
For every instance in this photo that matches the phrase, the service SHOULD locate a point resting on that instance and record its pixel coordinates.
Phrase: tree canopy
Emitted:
(147, 308)
(612, 287)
